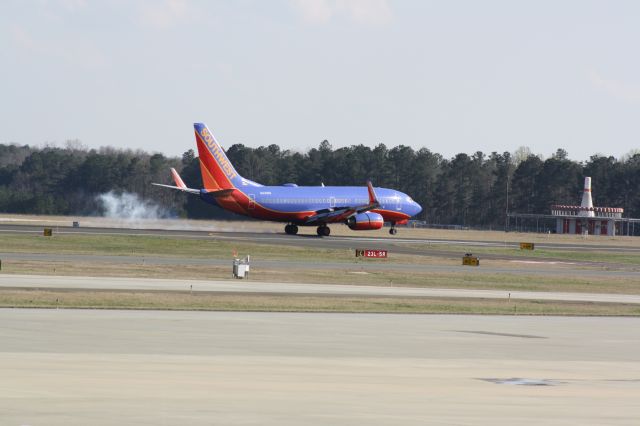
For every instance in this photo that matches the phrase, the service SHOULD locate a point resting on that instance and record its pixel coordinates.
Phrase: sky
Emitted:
(450, 76)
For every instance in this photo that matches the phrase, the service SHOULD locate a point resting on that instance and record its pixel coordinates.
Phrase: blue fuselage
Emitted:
(292, 203)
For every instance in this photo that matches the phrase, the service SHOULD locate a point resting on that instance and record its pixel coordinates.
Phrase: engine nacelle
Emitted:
(365, 221)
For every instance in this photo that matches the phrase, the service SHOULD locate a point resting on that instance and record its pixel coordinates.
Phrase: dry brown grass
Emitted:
(288, 303)
(518, 277)
(467, 278)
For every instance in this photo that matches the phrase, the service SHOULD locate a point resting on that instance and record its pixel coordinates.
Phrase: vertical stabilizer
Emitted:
(586, 207)
(217, 171)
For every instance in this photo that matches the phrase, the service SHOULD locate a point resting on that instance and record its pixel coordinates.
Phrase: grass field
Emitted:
(125, 245)
(465, 279)
(289, 303)
(129, 245)
(567, 255)
(516, 276)
(315, 271)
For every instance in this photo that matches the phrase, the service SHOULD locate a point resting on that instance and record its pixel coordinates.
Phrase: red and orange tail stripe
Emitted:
(217, 170)
(207, 166)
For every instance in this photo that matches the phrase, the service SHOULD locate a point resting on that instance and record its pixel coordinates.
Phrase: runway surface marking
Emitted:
(492, 333)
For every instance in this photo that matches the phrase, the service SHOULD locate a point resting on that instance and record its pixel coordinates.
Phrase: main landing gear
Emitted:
(393, 230)
(323, 231)
(291, 229)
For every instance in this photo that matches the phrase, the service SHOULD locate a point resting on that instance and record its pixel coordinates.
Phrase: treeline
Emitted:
(470, 190)
(67, 181)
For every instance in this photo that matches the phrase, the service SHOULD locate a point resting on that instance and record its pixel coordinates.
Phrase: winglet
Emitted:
(372, 194)
(177, 179)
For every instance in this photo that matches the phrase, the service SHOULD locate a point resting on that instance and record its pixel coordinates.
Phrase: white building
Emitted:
(586, 219)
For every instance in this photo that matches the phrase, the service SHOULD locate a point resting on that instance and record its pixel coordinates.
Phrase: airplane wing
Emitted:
(340, 214)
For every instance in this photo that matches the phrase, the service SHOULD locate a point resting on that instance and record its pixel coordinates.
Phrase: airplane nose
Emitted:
(417, 208)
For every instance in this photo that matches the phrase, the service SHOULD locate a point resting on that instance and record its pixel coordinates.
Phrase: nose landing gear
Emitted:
(291, 229)
(323, 231)
(393, 230)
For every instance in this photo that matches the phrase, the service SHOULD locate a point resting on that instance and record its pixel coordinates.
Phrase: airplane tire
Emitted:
(393, 231)
(323, 231)
(290, 229)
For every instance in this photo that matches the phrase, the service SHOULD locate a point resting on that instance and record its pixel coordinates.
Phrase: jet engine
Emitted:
(365, 221)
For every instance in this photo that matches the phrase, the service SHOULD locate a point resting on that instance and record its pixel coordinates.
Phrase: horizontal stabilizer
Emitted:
(179, 188)
(212, 192)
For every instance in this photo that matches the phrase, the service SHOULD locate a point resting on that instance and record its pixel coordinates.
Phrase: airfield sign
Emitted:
(377, 254)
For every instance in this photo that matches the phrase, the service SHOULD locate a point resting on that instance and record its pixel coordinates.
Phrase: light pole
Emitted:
(506, 208)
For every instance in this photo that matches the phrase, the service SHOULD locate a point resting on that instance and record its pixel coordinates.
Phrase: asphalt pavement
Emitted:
(249, 286)
(96, 367)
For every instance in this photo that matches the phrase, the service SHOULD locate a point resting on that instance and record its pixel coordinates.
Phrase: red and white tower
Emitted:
(586, 219)
(586, 207)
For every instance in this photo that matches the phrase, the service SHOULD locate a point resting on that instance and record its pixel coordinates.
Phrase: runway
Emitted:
(79, 367)
(256, 287)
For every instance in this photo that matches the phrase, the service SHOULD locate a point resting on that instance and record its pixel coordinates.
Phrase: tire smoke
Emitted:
(129, 206)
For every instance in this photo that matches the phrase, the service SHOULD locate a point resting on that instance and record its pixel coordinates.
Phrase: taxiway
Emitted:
(79, 367)
(256, 287)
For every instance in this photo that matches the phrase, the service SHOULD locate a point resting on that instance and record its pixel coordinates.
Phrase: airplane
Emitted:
(360, 208)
